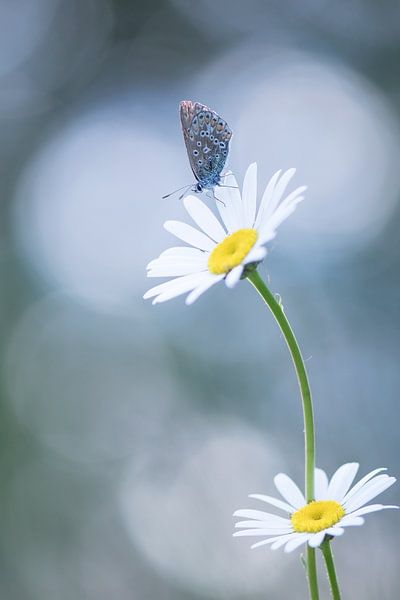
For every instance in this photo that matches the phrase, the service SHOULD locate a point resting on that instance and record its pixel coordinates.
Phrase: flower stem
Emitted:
(330, 568)
(305, 392)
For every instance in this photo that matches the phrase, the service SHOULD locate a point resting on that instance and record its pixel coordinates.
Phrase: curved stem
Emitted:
(305, 392)
(330, 568)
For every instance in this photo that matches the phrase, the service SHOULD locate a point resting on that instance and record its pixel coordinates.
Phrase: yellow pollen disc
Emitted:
(231, 251)
(316, 516)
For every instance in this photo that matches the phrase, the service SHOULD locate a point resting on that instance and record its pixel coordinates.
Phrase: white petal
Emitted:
(234, 276)
(273, 195)
(321, 484)
(182, 252)
(198, 291)
(178, 286)
(260, 515)
(252, 524)
(229, 203)
(255, 255)
(258, 532)
(204, 218)
(350, 521)
(368, 492)
(266, 199)
(283, 539)
(266, 236)
(249, 195)
(189, 234)
(317, 539)
(371, 508)
(176, 270)
(280, 215)
(362, 482)
(274, 501)
(293, 544)
(289, 490)
(273, 540)
(341, 481)
(335, 530)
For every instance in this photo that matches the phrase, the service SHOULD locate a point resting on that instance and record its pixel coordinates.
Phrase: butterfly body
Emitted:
(206, 137)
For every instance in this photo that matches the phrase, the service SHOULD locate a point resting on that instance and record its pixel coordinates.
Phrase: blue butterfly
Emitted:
(207, 138)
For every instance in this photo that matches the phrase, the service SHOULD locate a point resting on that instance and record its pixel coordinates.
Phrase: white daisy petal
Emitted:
(260, 515)
(317, 539)
(275, 194)
(204, 218)
(249, 195)
(372, 508)
(180, 285)
(274, 501)
(273, 540)
(350, 521)
(182, 252)
(258, 532)
(283, 539)
(289, 490)
(234, 276)
(335, 530)
(174, 269)
(362, 482)
(255, 255)
(261, 525)
(341, 481)
(229, 203)
(266, 199)
(365, 495)
(280, 215)
(190, 235)
(302, 538)
(167, 261)
(321, 485)
(198, 291)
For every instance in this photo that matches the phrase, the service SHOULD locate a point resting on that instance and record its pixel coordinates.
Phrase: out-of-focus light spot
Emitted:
(22, 26)
(183, 521)
(336, 128)
(84, 384)
(88, 211)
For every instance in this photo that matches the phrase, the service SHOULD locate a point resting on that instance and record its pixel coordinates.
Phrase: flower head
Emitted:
(222, 250)
(337, 505)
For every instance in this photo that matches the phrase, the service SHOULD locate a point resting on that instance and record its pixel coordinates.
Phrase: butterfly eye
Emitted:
(215, 141)
(225, 153)
(195, 152)
(201, 117)
(200, 162)
(222, 144)
(199, 144)
(211, 137)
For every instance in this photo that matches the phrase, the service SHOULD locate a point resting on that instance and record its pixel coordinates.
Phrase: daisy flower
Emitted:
(218, 250)
(337, 505)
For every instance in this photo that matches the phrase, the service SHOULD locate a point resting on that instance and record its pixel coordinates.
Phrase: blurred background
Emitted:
(130, 433)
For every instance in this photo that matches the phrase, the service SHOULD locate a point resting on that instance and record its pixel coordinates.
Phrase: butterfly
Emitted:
(207, 138)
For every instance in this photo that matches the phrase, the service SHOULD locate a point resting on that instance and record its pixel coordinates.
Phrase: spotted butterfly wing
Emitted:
(207, 138)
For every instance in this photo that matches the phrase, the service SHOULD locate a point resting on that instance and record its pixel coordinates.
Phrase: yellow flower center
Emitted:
(316, 516)
(231, 251)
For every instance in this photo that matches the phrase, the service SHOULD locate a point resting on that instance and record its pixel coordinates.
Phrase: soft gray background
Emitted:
(130, 433)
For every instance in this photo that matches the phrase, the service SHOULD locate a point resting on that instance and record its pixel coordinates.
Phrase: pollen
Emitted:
(231, 251)
(316, 516)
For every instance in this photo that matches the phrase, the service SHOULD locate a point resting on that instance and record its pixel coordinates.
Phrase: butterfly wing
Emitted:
(207, 138)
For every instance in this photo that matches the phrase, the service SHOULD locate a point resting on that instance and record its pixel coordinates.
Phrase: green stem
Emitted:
(305, 392)
(330, 568)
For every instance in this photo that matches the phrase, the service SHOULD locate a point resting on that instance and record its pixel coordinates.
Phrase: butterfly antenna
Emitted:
(185, 187)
